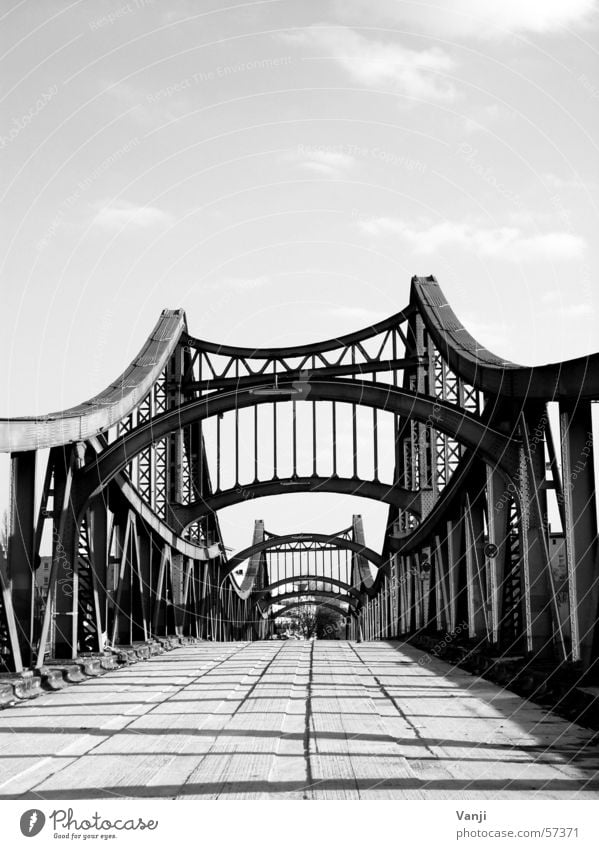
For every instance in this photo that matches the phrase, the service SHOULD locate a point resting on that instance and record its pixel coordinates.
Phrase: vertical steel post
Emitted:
(498, 522)
(21, 547)
(580, 505)
(533, 541)
(477, 612)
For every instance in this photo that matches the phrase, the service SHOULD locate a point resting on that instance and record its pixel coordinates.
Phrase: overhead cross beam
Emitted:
(184, 514)
(325, 539)
(326, 594)
(350, 611)
(307, 578)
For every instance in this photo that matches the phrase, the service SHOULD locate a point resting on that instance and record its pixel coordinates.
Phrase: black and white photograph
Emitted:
(298, 407)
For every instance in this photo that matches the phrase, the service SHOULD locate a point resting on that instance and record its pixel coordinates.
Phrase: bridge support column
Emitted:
(146, 573)
(498, 521)
(361, 620)
(580, 511)
(121, 624)
(410, 610)
(394, 592)
(475, 577)
(439, 566)
(178, 582)
(455, 555)
(389, 626)
(98, 541)
(130, 623)
(419, 599)
(60, 618)
(21, 551)
(534, 548)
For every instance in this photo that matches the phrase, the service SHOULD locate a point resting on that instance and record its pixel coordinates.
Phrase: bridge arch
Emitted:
(325, 594)
(326, 539)
(496, 447)
(309, 578)
(329, 605)
(495, 489)
(408, 500)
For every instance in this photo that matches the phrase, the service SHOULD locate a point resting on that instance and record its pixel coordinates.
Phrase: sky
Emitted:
(280, 170)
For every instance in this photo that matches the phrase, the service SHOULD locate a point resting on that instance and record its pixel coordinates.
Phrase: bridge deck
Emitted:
(292, 720)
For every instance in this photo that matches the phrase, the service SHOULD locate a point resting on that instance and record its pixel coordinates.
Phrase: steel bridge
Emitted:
(472, 454)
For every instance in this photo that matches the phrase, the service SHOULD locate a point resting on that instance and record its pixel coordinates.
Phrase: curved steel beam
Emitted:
(344, 599)
(110, 406)
(184, 514)
(350, 611)
(497, 448)
(313, 348)
(578, 378)
(326, 539)
(317, 579)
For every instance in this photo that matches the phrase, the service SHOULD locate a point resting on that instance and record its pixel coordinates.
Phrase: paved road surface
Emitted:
(292, 720)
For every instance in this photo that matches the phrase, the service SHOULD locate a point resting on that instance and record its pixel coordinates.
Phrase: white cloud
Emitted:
(118, 215)
(329, 163)
(481, 19)
(507, 243)
(416, 73)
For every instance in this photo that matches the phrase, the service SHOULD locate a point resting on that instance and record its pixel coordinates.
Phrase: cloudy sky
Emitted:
(280, 170)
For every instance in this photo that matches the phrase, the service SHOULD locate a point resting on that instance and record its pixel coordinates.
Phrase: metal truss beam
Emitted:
(316, 579)
(236, 383)
(326, 594)
(275, 542)
(329, 605)
(184, 514)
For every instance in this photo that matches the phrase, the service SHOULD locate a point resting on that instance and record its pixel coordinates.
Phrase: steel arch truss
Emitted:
(470, 452)
(283, 611)
(337, 564)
